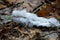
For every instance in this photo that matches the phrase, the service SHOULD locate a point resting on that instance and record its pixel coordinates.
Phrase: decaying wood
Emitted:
(13, 31)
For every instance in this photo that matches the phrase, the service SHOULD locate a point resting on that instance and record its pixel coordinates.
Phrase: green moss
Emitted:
(8, 17)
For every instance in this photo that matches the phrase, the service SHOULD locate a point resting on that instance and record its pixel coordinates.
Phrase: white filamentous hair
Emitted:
(30, 19)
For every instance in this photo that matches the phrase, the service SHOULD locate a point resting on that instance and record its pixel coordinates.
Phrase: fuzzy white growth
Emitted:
(30, 19)
(54, 22)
